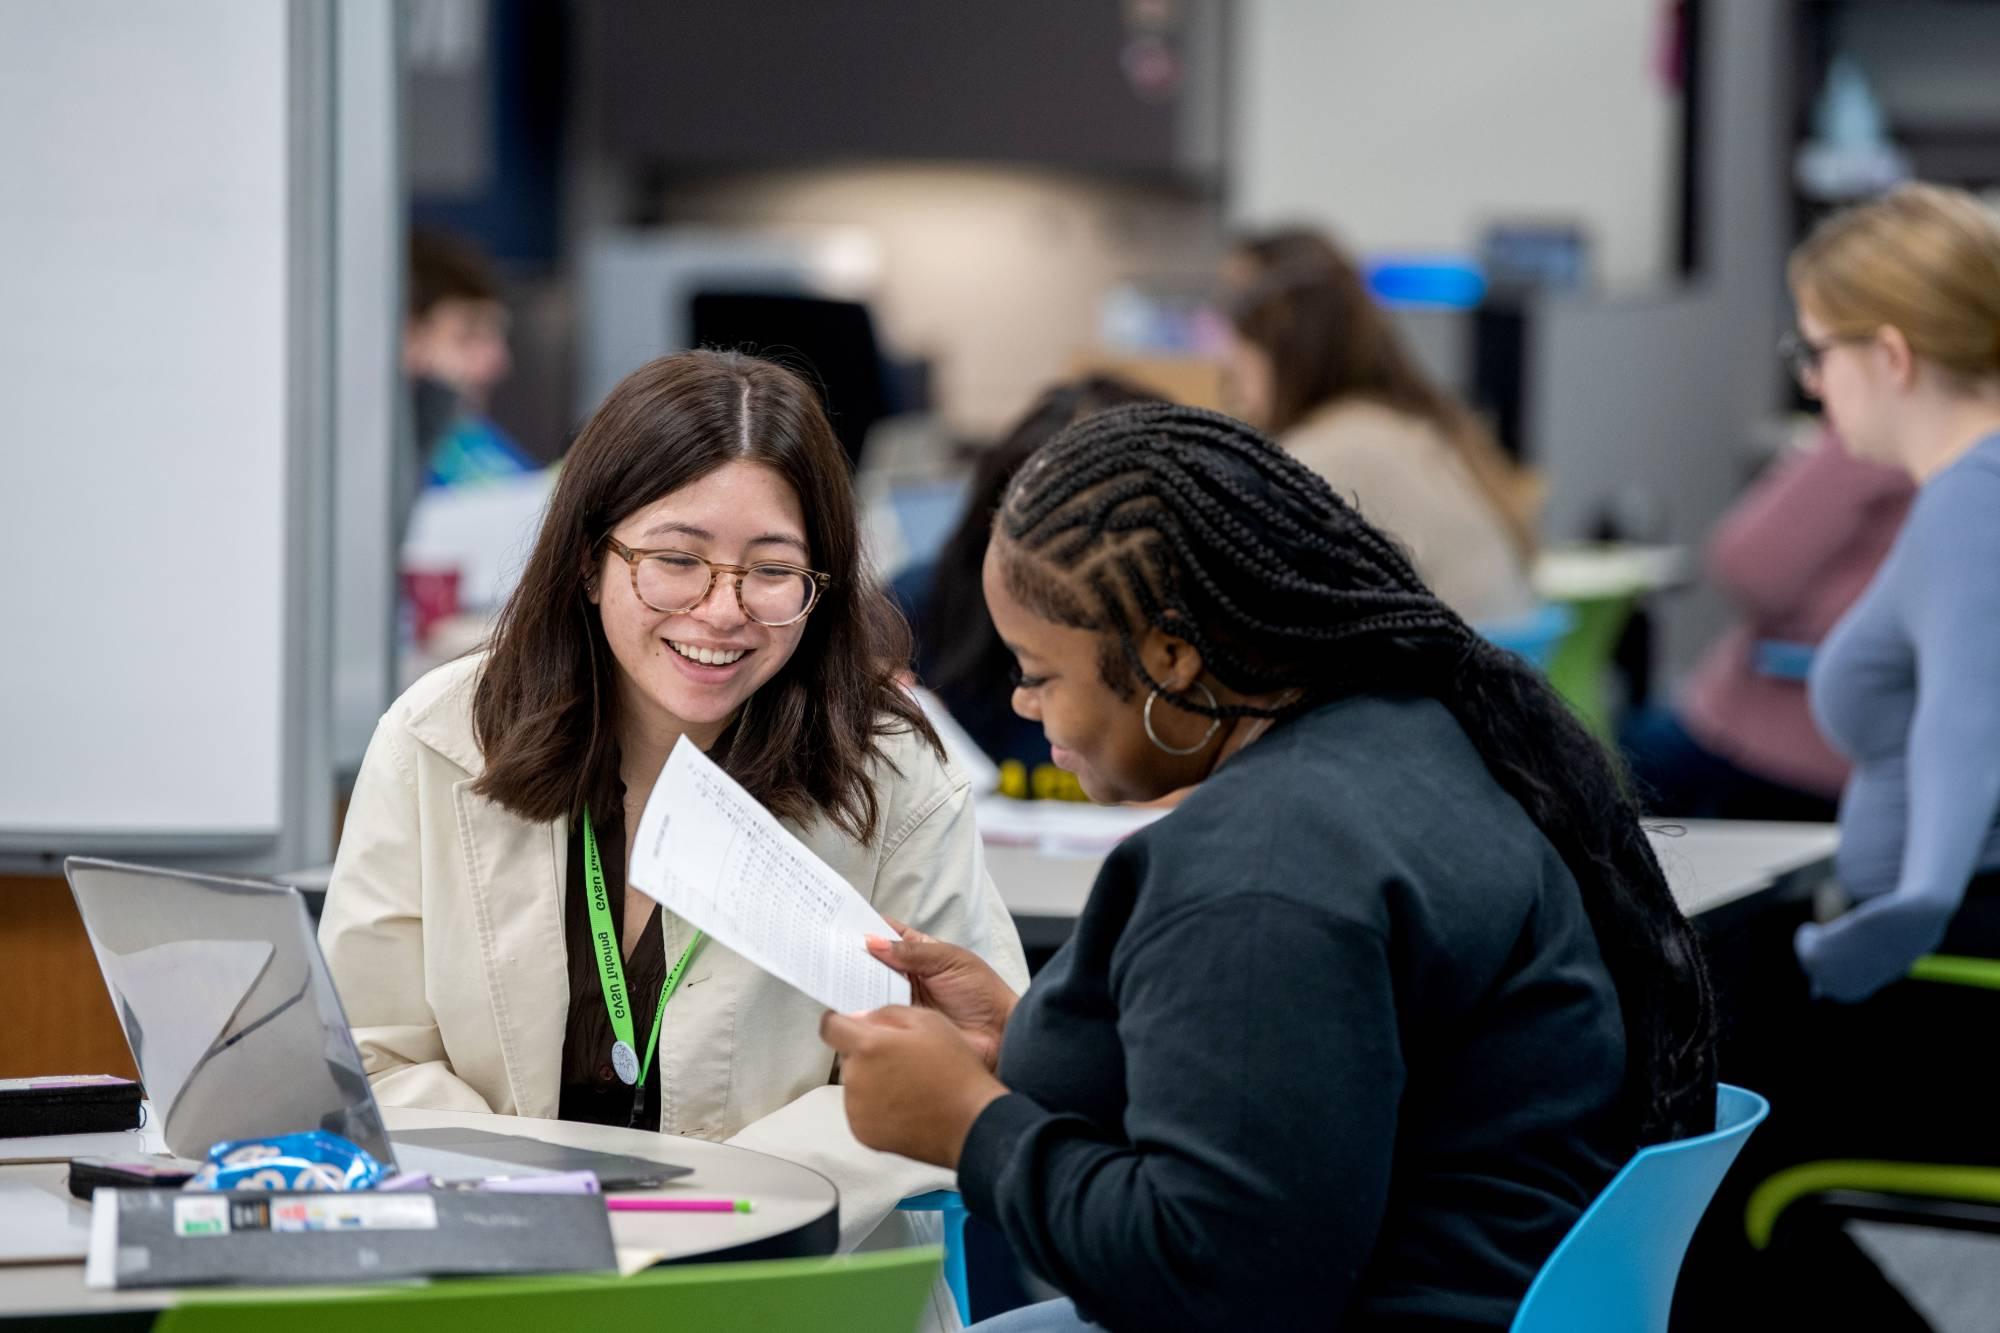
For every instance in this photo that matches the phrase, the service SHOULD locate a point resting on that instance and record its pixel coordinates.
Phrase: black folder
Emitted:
(67, 1104)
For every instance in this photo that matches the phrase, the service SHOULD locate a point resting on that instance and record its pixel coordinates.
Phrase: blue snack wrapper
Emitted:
(315, 1160)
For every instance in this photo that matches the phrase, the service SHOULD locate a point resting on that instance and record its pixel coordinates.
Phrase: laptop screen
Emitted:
(227, 1006)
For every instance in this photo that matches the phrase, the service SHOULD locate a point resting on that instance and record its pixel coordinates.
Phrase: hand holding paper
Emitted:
(709, 853)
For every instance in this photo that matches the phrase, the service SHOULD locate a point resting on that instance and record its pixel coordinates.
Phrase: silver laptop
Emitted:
(238, 1032)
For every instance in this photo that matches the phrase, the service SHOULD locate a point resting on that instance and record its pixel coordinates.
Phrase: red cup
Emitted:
(432, 595)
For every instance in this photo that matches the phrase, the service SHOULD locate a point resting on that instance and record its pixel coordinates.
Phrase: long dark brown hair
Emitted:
(1307, 308)
(1193, 523)
(543, 710)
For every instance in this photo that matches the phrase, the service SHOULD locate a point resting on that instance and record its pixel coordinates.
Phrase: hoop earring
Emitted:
(1214, 724)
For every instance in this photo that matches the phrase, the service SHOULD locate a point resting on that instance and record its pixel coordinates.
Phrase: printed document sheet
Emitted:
(709, 853)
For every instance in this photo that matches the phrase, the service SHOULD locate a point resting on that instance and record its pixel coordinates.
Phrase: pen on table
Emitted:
(678, 1205)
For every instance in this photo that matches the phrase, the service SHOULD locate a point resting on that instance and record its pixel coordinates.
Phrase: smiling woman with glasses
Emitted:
(770, 593)
(698, 574)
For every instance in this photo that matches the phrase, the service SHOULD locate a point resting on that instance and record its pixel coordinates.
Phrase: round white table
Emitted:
(796, 1212)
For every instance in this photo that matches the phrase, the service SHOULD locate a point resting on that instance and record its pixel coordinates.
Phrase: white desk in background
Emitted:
(485, 531)
(1714, 863)
(1709, 863)
(1589, 571)
(796, 1212)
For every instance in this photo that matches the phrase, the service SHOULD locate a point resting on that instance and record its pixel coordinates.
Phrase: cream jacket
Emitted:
(1406, 479)
(443, 927)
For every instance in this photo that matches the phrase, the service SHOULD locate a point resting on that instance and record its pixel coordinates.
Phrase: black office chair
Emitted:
(1949, 1196)
(832, 343)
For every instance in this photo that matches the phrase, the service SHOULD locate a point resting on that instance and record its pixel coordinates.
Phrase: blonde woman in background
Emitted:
(1316, 363)
(1899, 336)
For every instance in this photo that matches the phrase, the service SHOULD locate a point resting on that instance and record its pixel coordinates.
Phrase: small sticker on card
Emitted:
(201, 1215)
(221, 1215)
(353, 1212)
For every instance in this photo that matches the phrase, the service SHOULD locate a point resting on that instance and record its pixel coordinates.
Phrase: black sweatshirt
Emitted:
(1332, 1047)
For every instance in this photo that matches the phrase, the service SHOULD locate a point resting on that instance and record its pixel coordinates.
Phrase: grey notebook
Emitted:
(158, 1238)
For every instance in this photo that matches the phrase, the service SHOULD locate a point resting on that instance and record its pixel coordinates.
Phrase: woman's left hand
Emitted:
(914, 1085)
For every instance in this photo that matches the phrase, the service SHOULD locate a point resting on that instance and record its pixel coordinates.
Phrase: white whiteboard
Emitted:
(143, 417)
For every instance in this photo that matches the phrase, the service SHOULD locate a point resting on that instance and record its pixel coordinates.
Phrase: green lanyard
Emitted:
(611, 970)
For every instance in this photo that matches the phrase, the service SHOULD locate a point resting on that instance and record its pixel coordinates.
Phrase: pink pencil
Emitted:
(678, 1205)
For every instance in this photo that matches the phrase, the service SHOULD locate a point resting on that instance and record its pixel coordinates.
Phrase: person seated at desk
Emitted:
(1898, 336)
(1792, 555)
(959, 655)
(1317, 363)
(698, 574)
(455, 354)
(1353, 1035)
(1899, 331)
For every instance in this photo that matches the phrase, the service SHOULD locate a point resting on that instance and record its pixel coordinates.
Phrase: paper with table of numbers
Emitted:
(708, 852)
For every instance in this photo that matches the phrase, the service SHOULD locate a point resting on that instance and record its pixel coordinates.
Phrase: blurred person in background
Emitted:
(455, 354)
(1315, 362)
(959, 656)
(1792, 555)
(1898, 336)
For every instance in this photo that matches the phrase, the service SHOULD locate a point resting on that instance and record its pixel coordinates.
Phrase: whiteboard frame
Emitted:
(372, 428)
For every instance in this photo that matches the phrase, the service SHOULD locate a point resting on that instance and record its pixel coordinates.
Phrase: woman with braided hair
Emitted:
(1353, 1036)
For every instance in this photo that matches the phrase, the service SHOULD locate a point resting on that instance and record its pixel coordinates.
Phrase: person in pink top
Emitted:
(1792, 555)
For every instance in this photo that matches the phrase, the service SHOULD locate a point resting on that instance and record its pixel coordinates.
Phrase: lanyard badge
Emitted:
(611, 970)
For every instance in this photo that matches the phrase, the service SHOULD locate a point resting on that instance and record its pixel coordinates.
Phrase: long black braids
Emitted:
(1193, 522)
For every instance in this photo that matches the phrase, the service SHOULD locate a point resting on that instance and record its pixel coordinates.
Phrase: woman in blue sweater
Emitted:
(1899, 337)
(1899, 324)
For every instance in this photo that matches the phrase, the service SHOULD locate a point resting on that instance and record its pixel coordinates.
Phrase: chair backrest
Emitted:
(861, 1293)
(957, 1264)
(1617, 1266)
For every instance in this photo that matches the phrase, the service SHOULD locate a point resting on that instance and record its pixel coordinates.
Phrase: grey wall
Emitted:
(1410, 125)
(1663, 396)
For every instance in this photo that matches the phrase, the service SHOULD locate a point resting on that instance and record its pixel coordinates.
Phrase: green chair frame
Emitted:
(860, 1293)
(1934, 1194)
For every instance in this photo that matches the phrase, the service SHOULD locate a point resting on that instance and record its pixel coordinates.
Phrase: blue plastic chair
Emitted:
(1617, 1267)
(951, 1206)
(1533, 636)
